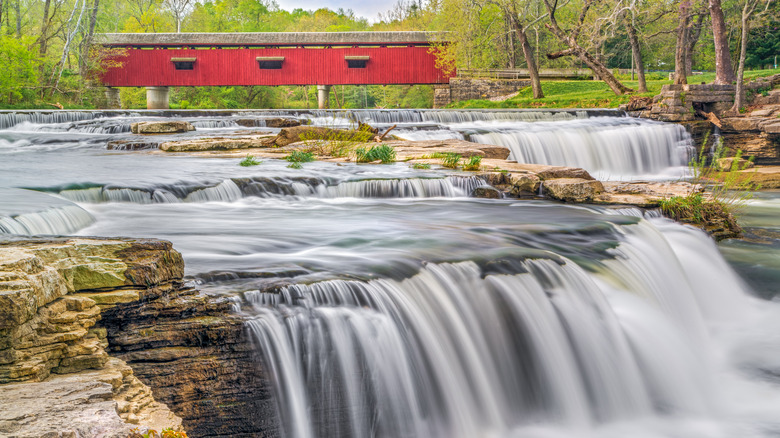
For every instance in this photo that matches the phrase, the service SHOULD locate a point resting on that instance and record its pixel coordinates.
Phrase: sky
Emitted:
(362, 8)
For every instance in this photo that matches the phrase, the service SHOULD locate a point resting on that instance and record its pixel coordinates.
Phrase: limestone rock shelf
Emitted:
(100, 336)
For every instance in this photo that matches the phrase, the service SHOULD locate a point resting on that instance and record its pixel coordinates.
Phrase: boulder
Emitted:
(168, 127)
(217, 143)
(486, 192)
(524, 184)
(726, 164)
(572, 189)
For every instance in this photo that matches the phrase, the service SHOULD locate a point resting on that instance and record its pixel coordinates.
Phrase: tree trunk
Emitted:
(18, 19)
(739, 92)
(636, 53)
(528, 54)
(693, 38)
(44, 28)
(599, 69)
(682, 39)
(2, 6)
(724, 72)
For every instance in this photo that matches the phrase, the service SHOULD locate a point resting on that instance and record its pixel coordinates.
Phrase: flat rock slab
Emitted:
(642, 194)
(218, 143)
(767, 176)
(168, 127)
(69, 406)
(407, 149)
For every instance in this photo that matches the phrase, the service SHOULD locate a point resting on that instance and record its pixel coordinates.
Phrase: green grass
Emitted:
(588, 93)
(449, 159)
(473, 164)
(300, 157)
(249, 161)
(383, 153)
(421, 166)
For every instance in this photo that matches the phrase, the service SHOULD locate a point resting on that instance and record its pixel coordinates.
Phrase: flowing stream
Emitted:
(387, 302)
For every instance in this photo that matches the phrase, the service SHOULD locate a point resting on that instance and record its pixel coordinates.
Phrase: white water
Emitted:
(393, 305)
(552, 351)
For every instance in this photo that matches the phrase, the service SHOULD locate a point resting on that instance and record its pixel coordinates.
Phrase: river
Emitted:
(389, 303)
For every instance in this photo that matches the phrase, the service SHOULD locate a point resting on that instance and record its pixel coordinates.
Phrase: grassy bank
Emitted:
(588, 94)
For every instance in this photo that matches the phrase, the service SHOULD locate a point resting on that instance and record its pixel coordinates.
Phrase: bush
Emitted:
(249, 161)
(300, 157)
(474, 163)
(383, 153)
(449, 159)
(421, 166)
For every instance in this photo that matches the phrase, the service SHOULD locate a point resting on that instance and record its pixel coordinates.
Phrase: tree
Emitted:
(684, 18)
(20, 68)
(179, 9)
(748, 10)
(724, 72)
(570, 39)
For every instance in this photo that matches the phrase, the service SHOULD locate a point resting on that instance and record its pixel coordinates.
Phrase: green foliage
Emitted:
(19, 72)
(449, 159)
(295, 165)
(731, 188)
(300, 157)
(473, 163)
(249, 161)
(421, 166)
(336, 142)
(383, 153)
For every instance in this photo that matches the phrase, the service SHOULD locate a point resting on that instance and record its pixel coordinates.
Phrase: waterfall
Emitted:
(53, 221)
(456, 351)
(231, 190)
(604, 146)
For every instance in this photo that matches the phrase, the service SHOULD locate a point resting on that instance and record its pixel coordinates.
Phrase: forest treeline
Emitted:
(46, 58)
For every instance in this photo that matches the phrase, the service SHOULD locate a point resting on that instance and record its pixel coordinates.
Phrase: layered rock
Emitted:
(48, 335)
(66, 304)
(166, 127)
(218, 143)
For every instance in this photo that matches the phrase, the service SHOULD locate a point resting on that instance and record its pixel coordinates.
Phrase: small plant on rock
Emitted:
(249, 161)
(383, 153)
(474, 163)
(300, 157)
(421, 166)
(450, 160)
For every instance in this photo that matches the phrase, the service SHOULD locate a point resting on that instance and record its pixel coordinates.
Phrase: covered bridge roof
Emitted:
(264, 38)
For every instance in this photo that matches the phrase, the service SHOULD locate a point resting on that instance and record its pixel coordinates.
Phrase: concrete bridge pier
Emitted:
(157, 98)
(323, 96)
(113, 100)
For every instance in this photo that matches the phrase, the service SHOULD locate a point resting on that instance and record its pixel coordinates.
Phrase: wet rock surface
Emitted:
(166, 127)
(101, 332)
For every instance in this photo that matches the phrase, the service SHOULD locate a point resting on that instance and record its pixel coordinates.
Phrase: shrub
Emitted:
(249, 161)
(474, 163)
(421, 166)
(300, 157)
(383, 153)
(449, 159)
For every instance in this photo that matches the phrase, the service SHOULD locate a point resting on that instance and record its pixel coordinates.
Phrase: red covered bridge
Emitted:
(161, 60)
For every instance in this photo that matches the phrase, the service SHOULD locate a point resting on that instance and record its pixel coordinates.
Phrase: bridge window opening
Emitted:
(270, 62)
(356, 61)
(183, 63)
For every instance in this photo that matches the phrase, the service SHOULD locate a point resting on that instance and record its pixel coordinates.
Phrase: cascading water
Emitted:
(385, 302)
(609, 148)
(459, 351)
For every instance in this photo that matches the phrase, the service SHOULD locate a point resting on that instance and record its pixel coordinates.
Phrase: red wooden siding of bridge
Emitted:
(301, 66)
